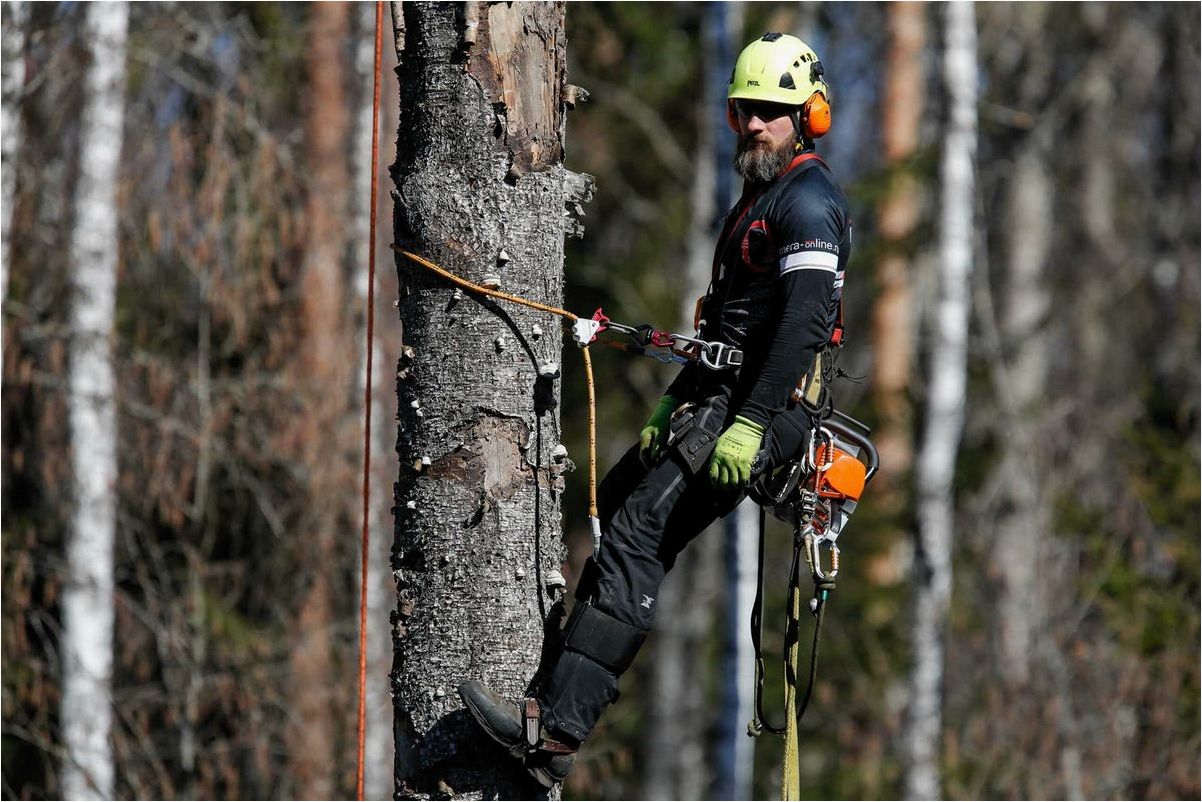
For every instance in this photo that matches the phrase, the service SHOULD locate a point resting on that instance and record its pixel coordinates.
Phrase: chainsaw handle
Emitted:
(857, 437)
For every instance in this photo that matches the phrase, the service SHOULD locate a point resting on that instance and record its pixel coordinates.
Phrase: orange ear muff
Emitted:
(731, 119)
(816, 116)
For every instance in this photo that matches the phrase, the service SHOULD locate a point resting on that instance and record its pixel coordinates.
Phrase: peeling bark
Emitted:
(481, 190)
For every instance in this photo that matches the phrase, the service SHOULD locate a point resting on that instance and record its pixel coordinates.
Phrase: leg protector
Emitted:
(602, 638)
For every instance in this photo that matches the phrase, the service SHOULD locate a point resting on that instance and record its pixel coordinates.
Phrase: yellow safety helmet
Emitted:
(779, 68)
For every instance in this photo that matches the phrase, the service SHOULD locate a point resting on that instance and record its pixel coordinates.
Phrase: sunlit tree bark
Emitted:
(87, 602)
(945, 411)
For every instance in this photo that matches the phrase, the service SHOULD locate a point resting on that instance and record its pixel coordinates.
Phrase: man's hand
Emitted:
(730, 464)
(655, 433)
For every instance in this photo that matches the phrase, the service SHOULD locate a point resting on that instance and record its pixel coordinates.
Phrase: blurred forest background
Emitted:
(1072, 664)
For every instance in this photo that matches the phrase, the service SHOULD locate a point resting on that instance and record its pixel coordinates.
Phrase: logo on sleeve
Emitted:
(815, 244)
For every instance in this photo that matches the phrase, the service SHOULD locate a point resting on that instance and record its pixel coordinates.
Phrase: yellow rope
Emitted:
(467, 285)
(790, 787)
(588, 363)
(592, 434)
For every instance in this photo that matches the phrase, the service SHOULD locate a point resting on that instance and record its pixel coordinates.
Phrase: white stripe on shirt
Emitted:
(810, 260)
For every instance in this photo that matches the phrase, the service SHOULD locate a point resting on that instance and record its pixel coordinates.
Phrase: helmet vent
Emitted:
(786, 82)
(770, 37)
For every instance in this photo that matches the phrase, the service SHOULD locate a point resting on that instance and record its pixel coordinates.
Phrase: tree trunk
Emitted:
(945, 412)
(1022, 521)
(893, 330)
(481, 190)
(15, 16)
(326, 361)
(87, 604)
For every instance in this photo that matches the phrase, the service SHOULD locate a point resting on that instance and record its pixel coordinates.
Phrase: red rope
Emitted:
(371, 323)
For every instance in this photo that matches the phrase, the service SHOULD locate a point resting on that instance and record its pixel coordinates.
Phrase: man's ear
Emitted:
(731, 119)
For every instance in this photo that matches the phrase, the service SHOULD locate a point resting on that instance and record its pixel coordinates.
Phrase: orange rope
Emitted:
(371, 322)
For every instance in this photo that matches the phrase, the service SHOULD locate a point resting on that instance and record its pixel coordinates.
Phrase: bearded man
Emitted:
(773, 303)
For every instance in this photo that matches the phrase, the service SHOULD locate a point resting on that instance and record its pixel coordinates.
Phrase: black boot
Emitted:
(518, 729)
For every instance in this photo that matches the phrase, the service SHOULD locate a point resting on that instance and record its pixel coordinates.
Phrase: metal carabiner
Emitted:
(720, 356)
(828, 444)
(813, 544)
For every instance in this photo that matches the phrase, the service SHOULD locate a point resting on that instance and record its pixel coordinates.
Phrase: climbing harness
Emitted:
(816, 491)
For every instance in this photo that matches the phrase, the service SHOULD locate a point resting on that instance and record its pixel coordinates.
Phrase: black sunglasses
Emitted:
(761, 108)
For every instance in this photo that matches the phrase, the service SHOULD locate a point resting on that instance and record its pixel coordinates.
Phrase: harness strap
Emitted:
(532, 730)
(729, 228)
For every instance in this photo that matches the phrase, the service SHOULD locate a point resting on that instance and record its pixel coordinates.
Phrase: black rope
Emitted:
(822, 590)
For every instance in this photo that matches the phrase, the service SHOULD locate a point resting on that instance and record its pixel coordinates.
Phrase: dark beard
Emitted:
(760, 166)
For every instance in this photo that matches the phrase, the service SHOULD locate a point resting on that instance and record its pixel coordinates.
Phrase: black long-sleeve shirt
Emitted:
(777, 283)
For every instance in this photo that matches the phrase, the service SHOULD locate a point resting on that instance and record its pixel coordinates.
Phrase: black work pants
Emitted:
(648, 516)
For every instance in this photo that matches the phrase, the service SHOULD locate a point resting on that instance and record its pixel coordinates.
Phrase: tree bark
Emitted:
(945, 412)
(87, 604)
(482, 191)
(894, 329)
(325, 361)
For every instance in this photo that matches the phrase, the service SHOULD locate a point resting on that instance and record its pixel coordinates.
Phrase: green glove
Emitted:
(730, 464)
(655, 433)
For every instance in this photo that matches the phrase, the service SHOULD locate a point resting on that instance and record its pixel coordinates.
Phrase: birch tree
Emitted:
(481, 190)
(1023, 517)
(945, 411)
(87, 602)
(15, 14)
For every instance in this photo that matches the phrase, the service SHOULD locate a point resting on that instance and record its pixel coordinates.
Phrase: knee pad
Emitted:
(602, 638)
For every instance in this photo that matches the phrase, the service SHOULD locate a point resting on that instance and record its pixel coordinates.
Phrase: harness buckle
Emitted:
(531, 719)
(720, 356)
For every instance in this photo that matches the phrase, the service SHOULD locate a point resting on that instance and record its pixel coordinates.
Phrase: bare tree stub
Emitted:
(480, 189)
